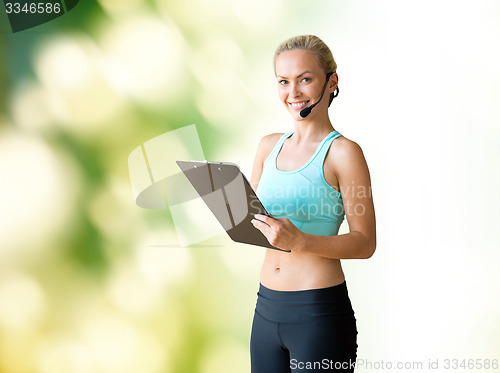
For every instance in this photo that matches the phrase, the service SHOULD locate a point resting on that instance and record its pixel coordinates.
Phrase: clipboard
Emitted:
(228, 194)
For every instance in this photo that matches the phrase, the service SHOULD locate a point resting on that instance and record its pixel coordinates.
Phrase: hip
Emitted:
(300, 306)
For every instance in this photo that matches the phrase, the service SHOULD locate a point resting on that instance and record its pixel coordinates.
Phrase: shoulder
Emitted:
(345, 147)
(270, 140)
(267, 144)
(344, 154)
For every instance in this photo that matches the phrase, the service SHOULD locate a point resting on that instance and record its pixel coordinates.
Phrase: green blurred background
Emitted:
(89, 282)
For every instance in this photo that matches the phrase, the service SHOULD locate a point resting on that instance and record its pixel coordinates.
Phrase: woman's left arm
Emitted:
(348, 163)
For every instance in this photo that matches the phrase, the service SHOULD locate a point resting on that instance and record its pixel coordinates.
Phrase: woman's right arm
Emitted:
(265, 147)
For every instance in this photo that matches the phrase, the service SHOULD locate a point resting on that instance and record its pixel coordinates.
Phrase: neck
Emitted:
(312, 130)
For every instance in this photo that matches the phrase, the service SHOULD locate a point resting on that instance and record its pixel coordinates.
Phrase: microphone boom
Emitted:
(306, 111)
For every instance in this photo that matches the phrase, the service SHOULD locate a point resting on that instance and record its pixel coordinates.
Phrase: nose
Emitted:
(295, 90)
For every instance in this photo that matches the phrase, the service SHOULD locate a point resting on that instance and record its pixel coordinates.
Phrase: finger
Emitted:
(266, 219)
(259, 224)
(263, 228)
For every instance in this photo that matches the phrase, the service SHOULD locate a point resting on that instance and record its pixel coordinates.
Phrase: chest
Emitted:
(292, 157)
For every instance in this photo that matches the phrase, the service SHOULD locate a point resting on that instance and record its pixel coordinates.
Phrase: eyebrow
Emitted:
(298, 76)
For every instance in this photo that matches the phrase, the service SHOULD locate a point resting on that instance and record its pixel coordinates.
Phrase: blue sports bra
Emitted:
(302, 195)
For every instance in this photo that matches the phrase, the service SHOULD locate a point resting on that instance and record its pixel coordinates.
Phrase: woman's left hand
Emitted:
(280, 233)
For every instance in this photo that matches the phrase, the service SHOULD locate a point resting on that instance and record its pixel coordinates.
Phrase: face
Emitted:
(300, 82)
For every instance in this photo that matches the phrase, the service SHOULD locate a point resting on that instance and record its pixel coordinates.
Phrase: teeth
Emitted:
(297, 105)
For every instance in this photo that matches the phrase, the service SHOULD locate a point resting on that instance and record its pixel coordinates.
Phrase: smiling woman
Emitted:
(303, 312)
(318, 49)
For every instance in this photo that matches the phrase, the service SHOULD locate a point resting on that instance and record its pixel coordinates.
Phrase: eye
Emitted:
(306, 80)
(283, 82)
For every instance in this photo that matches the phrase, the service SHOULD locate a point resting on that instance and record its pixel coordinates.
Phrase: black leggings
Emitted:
(303, 331)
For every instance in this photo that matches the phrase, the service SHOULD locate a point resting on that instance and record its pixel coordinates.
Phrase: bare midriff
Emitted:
(299, 271)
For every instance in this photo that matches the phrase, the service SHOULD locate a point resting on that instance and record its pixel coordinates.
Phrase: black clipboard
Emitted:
(229, 196)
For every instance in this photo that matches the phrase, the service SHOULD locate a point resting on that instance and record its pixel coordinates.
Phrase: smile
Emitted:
(298, 105)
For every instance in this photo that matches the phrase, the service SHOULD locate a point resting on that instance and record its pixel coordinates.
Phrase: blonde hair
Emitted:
(312, 44)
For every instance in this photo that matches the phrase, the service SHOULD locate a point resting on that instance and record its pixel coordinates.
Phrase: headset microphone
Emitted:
(305, 112)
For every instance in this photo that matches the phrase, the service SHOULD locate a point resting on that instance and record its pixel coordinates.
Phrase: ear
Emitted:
(333, 82)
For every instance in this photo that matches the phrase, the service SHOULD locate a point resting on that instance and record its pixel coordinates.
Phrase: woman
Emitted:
(308, 180)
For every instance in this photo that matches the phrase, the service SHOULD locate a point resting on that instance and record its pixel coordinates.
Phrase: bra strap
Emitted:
(278, 146)
(320, 156)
